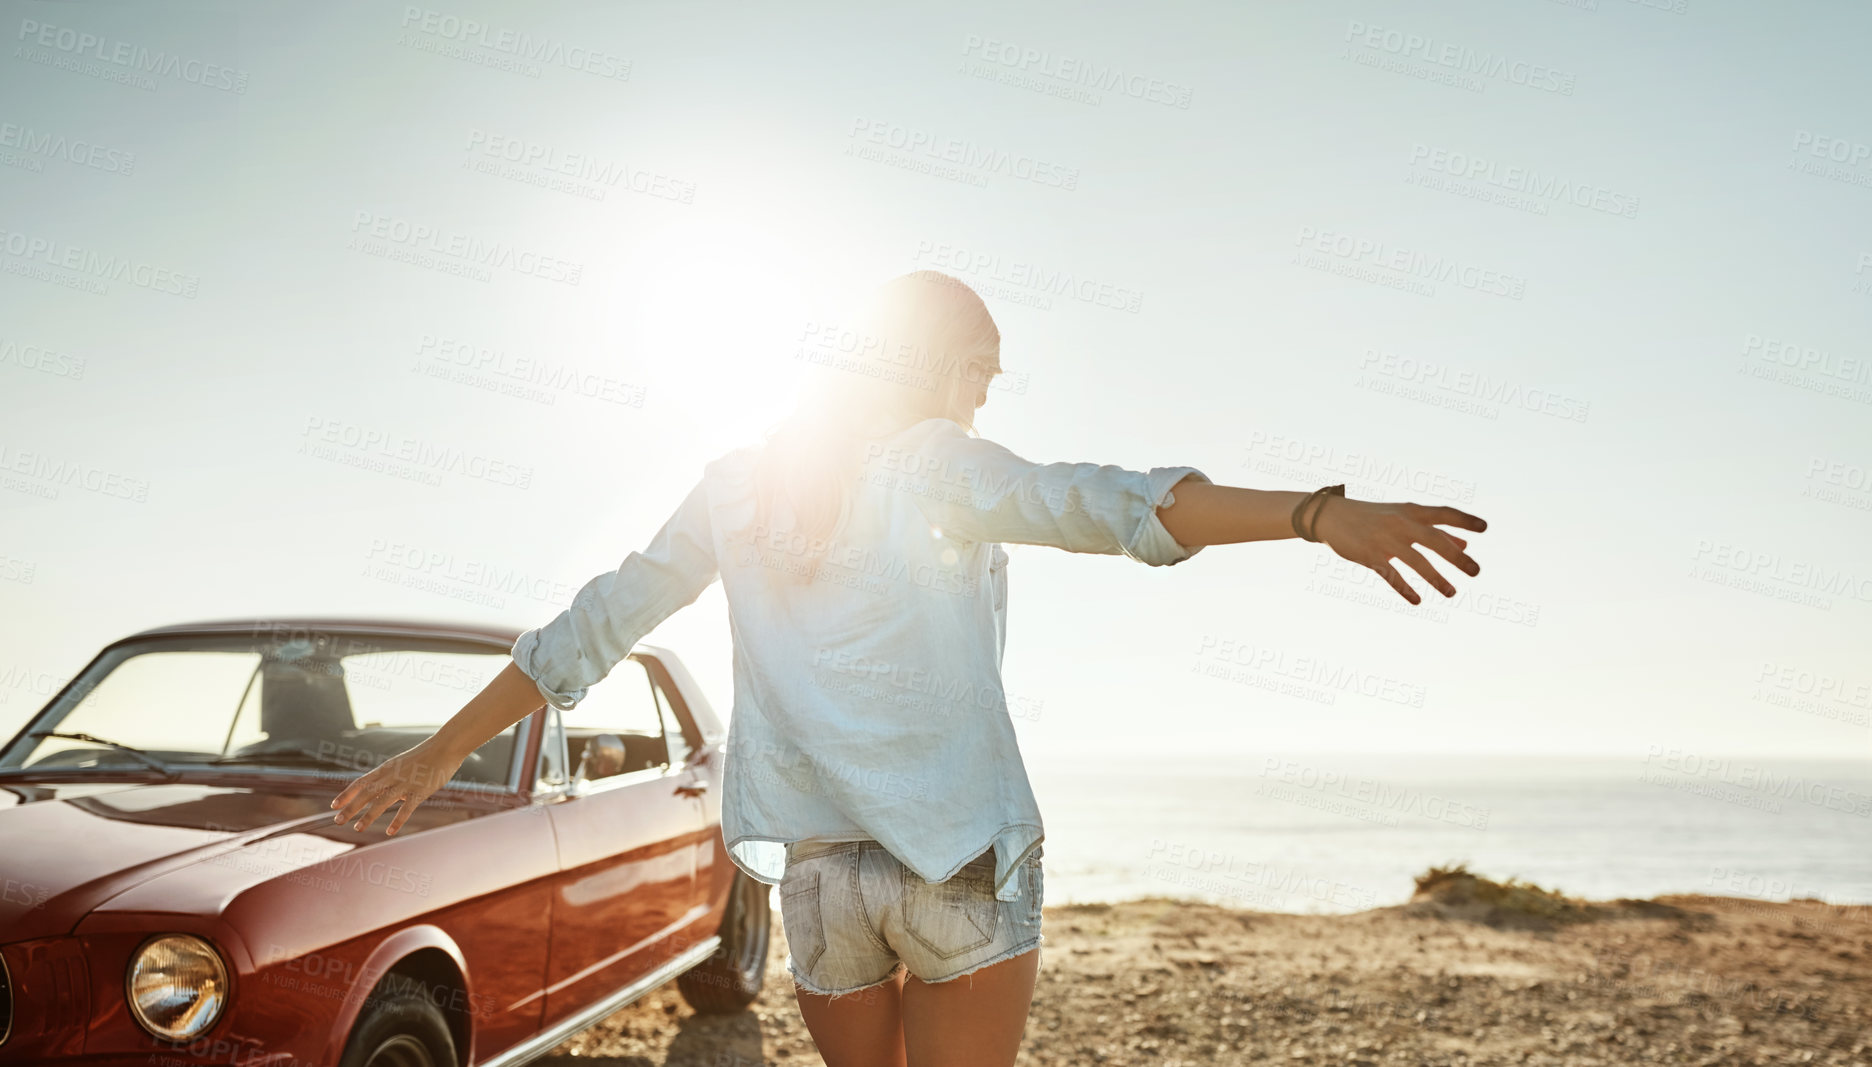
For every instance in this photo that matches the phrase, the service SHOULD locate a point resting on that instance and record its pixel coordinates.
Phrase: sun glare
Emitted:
(718, 306)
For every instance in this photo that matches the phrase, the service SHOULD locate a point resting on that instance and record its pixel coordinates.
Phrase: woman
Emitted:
(872, 770)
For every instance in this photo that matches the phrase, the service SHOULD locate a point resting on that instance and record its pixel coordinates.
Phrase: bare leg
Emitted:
(976, 1020)
(862, 1029)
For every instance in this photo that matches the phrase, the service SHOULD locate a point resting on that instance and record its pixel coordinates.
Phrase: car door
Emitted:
(626, 837)
(690, 751)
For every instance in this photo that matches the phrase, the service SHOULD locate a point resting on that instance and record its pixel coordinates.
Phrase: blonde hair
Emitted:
(910, 361)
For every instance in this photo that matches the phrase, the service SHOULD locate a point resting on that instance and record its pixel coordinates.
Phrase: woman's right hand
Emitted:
(1372, 534)
(409, 778)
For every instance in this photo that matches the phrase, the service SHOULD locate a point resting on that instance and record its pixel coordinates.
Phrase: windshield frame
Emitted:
(58, 707)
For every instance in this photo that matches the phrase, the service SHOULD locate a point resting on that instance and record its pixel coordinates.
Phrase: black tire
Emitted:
(401, 1026)
(730, 979)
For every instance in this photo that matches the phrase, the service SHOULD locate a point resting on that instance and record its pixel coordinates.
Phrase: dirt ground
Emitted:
(1685, 980)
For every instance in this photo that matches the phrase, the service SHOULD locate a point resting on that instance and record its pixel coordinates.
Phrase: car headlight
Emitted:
(177, 986)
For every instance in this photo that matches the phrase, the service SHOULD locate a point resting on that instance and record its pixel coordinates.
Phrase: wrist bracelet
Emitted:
(1294, 519)
(1313, 522)
(1306, 532)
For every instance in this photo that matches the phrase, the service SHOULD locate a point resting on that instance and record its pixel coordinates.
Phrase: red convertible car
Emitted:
(174, 890)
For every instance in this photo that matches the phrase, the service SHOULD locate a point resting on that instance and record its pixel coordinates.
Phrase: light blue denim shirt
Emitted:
(868, 699)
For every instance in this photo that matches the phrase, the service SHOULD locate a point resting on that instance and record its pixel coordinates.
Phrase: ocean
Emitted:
(1326, 833)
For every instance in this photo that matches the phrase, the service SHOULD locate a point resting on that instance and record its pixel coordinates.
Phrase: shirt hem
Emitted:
(1004, 877)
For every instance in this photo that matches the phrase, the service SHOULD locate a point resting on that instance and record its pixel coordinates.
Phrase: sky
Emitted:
(397, 310)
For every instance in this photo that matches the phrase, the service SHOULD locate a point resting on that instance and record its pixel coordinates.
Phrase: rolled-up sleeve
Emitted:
(613, 611)
(981, 491)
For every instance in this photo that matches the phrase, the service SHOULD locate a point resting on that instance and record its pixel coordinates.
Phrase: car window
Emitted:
(679, 750)
(408, 687)
(400, 696)
(306, 702)
(178, 702)
(617, 727)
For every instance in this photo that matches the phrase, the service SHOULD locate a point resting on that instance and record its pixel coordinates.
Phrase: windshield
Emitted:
(307, 702)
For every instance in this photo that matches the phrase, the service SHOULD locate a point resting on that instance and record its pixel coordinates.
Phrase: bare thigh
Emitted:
(863, 1029)
(976, 1020)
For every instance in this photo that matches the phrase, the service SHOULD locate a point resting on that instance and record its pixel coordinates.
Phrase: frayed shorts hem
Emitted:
(1018, 950)
(809, 987)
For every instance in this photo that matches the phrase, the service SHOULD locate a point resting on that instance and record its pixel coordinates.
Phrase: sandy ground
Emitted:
(1682, 980)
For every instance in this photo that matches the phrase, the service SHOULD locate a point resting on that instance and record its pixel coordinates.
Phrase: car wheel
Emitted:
(400, 1026)
(729, 980)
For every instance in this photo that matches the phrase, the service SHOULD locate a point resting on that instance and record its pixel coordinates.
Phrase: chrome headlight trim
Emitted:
(220, 973)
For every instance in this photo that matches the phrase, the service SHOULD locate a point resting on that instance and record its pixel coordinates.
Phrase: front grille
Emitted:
(6, 1002)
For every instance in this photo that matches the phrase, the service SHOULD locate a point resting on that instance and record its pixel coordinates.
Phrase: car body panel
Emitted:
(627, 882)
(532, 901)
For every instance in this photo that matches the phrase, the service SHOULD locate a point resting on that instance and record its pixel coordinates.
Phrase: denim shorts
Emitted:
(854, 915)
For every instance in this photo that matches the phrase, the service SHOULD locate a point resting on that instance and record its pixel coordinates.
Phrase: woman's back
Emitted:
(867, 664)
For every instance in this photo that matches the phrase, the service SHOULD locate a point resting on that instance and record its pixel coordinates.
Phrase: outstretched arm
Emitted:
(984, 492)
(554, 664)
(1368, 533)
(413, 776)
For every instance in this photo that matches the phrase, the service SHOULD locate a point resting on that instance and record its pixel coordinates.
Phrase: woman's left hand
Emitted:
(409, 778)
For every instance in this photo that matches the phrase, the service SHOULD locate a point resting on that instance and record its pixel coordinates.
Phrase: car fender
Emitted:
(382, 960)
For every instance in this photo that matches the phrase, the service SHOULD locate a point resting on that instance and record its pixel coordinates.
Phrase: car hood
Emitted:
(66, 848)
